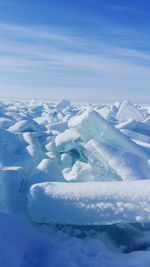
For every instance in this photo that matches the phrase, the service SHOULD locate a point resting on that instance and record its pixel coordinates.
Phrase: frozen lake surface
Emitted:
(74, 184)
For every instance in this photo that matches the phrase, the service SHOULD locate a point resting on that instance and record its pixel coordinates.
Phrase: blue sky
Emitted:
(83, 50)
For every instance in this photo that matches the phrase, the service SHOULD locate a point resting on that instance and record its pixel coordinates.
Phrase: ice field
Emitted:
(74, 184)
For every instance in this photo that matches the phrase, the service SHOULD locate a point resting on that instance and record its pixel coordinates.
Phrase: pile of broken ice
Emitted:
(75, 164)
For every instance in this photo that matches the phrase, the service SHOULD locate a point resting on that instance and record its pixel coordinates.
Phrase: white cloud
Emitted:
(65, 59)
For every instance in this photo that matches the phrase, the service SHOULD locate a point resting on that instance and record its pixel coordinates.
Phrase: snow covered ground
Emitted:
(74, 184)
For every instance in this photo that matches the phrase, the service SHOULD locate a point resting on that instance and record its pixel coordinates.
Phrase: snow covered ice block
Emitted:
(48, 117)
(137, 126)
(46, 171)
(128, 111)
(105, 112)
(90, 125)
(92, 203)
(12, 183)
(129, 125)
(5, 122)
(80, 172)
(108, 113)
(63, 104)
(25, 126)
(58, 126)
(116, 164)
(10, 146)
(67, 140)
(70, 142)
(147, 120)
(136, 136)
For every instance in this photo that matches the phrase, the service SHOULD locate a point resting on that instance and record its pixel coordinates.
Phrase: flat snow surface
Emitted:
(74, 184)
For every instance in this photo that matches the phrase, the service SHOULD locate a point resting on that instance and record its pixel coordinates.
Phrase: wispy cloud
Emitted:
(61, 51)
(123, 8)
(36, 32)
(59, 57)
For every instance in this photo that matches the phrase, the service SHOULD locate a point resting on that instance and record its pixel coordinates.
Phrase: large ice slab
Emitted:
(116, 164)
(62, 104)
(137, 126)
(128, 111)
(107, 163)
(90, 125)
(136, 136)
(90, 203)
(108, 113)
